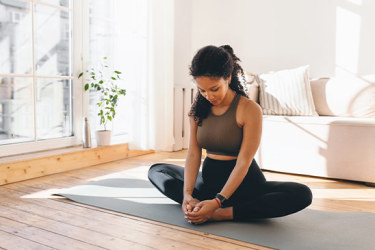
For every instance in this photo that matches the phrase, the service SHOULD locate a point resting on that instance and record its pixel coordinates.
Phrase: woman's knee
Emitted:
(304, 194)
(155, 168)
(165, 169)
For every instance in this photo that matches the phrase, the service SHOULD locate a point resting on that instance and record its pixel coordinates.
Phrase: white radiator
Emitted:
(183, 98)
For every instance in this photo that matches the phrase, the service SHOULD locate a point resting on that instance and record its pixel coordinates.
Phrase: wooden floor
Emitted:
(30, 218)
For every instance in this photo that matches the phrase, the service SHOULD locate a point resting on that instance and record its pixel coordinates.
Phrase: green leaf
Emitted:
(117, 72)
(92, 84)
(101, 81)
(87, 86)
(109, 118)
(80, 74)
(98, 88)
(105, 58)
(113, 78)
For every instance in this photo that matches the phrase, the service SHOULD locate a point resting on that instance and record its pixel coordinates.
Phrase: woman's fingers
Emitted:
(198, 221)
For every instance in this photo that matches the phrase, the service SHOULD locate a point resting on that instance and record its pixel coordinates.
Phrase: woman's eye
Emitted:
(214, 90)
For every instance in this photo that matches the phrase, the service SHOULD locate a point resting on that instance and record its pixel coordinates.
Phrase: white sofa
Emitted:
(339, 143)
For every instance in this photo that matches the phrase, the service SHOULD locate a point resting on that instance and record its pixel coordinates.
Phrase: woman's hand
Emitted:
(189, 204)
(202, 212)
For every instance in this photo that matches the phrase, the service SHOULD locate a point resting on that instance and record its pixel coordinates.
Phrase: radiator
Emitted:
(183, 98)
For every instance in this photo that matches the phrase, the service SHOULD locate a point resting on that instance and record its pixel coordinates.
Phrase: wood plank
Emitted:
(24, 169)
(11, 241)
(23, 213)
(42, 236)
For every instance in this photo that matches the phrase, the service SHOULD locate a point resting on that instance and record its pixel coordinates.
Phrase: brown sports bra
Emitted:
(220, 134)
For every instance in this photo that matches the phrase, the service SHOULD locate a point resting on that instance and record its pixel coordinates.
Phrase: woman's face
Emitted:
(213, 89)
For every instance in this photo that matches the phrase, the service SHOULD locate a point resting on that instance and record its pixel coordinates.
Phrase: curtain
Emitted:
(152, 103)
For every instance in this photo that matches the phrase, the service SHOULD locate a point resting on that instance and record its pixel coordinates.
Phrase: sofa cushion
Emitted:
(346, 97)
(286, 92)
(326, 146)
(321, 120)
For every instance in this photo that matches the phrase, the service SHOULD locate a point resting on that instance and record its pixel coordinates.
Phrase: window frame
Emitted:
(80, 99)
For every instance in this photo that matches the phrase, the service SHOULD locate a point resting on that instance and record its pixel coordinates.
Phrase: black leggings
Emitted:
(254, 198)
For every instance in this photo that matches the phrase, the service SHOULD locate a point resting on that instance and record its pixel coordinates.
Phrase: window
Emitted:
(37, 91)
(44, 44)
(118, 30)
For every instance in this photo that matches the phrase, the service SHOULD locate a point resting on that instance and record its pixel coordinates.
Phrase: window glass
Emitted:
(16, 110)
(52, 41)
(54, 108)
(15, 37)
(36, 92)
(62, 3)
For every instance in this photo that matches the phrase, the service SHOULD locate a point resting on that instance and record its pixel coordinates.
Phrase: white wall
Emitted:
(183, 51)
(332, 36)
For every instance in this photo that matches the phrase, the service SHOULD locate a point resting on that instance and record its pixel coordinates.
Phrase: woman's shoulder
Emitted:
(248, 109)
(247, 105)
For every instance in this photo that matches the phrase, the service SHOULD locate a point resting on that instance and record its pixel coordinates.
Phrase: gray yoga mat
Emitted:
(131, 193)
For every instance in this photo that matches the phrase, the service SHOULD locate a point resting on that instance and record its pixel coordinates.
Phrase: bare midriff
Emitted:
(221, 157)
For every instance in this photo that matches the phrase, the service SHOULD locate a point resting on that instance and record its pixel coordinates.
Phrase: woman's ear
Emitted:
(229, 79)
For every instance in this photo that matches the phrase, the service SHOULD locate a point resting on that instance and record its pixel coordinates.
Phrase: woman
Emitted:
(228, 125)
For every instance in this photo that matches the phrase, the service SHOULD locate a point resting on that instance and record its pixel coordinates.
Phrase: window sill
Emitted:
(27, 166)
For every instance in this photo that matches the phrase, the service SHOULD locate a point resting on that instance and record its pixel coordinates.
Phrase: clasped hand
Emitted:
(198, 212)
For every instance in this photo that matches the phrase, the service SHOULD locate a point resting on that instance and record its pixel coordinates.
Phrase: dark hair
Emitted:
(212, 61)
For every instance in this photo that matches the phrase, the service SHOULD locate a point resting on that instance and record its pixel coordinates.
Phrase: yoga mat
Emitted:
(131, 193)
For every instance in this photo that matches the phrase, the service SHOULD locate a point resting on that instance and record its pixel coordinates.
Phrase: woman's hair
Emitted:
(217, 62)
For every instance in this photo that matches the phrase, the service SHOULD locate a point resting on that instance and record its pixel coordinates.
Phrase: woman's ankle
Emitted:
(223, 214)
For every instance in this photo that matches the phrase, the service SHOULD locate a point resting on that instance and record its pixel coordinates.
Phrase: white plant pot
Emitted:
(103, 137)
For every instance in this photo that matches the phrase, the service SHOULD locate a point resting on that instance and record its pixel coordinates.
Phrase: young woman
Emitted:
(228, 125)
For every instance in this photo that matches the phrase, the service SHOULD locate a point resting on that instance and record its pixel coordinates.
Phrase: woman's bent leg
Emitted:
(169, 179)
(277, 199)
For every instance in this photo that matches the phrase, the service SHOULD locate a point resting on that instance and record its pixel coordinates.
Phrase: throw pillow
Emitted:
(344, 96)
(287, 92)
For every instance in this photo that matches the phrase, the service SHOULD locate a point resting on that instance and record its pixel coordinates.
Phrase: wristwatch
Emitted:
(221, 198)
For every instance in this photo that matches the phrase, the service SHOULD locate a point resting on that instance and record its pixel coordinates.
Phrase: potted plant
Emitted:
(102, 80)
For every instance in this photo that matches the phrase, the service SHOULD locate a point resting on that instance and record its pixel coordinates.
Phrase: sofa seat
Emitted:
(324, 146)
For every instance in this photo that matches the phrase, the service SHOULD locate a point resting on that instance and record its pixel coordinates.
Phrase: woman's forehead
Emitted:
(208, 81)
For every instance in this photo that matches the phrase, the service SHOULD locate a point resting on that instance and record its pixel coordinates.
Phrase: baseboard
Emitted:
(19, 170)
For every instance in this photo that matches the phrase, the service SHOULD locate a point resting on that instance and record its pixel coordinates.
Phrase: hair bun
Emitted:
(227, 48)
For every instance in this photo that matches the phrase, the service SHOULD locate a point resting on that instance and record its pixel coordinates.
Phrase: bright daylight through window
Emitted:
(36, 92)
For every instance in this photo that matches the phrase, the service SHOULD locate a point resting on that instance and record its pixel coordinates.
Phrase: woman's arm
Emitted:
(192, 164)
(193, 160)
(250, 115)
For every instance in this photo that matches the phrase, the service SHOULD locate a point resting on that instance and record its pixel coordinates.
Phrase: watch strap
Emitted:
(221, 198)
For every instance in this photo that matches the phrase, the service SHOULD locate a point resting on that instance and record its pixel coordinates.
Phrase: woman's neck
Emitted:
(227, 99)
